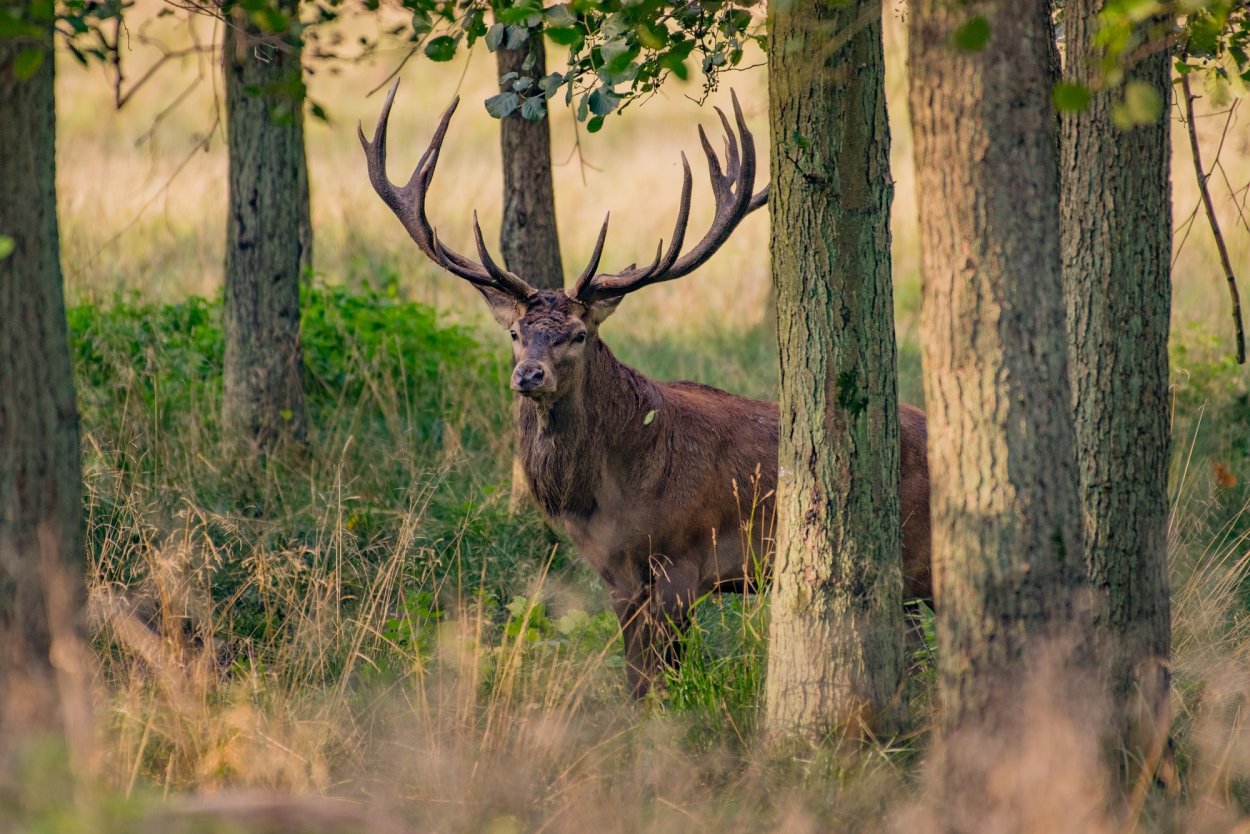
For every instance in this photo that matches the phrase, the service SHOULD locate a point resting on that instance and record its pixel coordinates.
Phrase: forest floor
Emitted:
(363, 636)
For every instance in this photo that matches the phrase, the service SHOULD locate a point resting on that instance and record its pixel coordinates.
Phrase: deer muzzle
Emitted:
(531, 378)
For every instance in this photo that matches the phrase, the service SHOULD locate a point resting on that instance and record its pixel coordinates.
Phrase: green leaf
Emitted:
(27, 63)
(494, 36)
(515, 36)
(550, 84)
(503, 104)
(1070, 97)
(603, 101)
(7, 245)
(1142, 105)
(564, 36)
(594, 125)
(650, 418)
(559, 15)
(442, 48)
(534, 109)
(973, 35)
(652, 35)
(318, 111)
(1219, 93)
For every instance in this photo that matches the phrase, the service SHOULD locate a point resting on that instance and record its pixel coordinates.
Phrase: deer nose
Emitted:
(529, 377)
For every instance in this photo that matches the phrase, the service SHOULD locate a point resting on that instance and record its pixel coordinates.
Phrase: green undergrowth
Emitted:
(407, 460)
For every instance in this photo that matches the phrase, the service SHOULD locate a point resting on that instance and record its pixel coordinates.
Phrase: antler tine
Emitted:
(683, 218)
(583, 280)
(408, 203)
(632, 278)
(759, 199)
(732, 190)
(733, 164)
(503, 278)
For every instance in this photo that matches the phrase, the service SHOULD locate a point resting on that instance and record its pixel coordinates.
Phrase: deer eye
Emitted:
(580, 337)
(514, 335)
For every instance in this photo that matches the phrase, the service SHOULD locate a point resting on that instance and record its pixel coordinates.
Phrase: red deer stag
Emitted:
(651, 480)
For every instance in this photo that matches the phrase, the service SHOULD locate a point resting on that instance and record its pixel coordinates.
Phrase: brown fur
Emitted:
(666, 488)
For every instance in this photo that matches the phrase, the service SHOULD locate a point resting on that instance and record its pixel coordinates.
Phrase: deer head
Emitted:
(553, 330)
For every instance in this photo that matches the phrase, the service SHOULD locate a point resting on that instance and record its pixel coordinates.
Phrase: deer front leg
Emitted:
(652, 618)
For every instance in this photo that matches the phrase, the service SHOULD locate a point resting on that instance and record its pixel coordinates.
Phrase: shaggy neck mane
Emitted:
(564, 447)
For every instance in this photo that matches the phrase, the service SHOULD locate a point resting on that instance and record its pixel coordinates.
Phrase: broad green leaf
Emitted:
(1070, 97)
(494, 36)
(650, 418)
(973, 35)
(515, 36)
(564, 36)
(652, 35)
(503, 104)
(7, 245)
(550, 84)
(27, 63)
(1219, 93)
(559, 15)
(442, 48)
(1142, 105)
(594, 125)
(534, 109)
(603, 101)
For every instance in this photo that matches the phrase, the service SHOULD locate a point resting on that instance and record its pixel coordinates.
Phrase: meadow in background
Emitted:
(369, 623)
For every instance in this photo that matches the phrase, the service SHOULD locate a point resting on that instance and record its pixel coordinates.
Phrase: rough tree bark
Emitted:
(43, 676)
(1007, 545)
(267, 234)
(528, 236)
(1117, 252)
(836, 659)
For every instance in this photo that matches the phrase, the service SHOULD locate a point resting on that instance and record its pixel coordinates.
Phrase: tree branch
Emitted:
(1207, 203)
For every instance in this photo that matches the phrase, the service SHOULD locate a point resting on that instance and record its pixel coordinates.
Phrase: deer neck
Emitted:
(569, 446)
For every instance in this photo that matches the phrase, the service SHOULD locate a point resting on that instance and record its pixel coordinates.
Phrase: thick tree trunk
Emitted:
(43, 679)
(1117, 253)
(1007, 546)
(836, 659)
(528, 236)
(267, 232)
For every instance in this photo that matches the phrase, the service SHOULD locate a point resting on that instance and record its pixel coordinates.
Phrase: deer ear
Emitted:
(503, 306)
(600, 310)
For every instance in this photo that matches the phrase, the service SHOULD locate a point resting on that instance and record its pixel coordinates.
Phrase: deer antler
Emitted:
(734, 201)
(408, 204)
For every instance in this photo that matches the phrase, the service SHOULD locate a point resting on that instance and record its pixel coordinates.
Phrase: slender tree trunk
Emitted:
(1007, 545)
(266, 238)
(836, 636)
(528, 236)
(43, 678)
(1117, 253)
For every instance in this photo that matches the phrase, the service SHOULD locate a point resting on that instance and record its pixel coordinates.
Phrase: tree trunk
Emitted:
(1117, 253)
(43, 674)
(1007, 547)
(528, 236)
(266, 236)
(836, 636)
